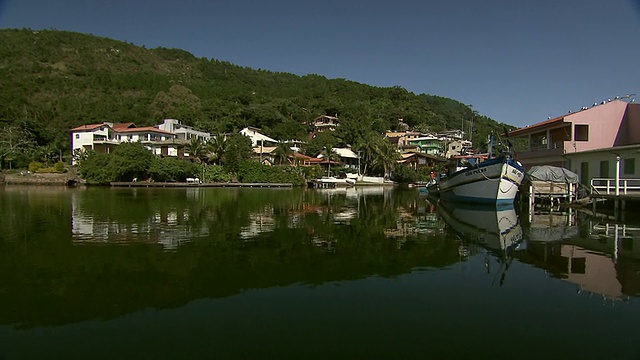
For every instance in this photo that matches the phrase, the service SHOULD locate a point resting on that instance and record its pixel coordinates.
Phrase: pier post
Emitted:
(532, 196)
(617, 175)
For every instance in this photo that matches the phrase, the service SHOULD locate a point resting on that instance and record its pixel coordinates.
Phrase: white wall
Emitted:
(595, 158)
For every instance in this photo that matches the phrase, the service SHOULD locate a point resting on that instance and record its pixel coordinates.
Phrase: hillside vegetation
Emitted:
(54, 80)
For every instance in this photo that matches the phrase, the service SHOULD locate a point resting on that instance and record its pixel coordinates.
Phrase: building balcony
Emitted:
(541, 151)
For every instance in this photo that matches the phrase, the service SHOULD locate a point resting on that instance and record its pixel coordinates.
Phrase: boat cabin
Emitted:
(462, 162)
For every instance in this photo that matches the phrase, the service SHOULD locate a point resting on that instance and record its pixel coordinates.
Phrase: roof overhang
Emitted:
(536, 127)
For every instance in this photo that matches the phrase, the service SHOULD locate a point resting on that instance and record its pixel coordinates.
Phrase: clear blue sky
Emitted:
(515, 61)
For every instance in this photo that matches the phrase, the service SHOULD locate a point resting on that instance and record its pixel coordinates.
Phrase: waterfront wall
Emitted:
(41, 179)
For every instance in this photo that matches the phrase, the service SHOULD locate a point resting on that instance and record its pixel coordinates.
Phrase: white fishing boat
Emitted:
(482, 178)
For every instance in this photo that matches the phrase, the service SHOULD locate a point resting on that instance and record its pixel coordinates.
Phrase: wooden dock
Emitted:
(621, 202)
(553, 192)
(147, 184)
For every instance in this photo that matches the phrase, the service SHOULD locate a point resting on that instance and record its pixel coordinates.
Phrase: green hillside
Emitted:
(55, 80)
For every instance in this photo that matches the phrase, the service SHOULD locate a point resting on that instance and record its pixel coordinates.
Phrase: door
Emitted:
(584, 173)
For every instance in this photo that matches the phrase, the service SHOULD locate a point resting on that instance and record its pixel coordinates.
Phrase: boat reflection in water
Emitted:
(597, 256)
(496, 228)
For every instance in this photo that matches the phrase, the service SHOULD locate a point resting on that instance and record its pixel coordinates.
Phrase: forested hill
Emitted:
(54, 80)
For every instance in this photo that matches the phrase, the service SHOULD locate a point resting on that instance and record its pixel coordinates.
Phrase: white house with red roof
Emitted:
(104, 137)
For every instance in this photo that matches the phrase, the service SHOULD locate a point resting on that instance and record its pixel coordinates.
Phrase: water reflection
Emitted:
(546, 225)
(598, 255)
(168, 226)
(494, 228)
(102, 253)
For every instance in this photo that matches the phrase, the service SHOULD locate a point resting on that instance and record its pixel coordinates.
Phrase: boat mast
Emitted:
(490, 145)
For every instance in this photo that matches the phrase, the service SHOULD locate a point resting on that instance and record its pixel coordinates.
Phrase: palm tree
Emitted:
(386, 156)
(282, 152)
(330, 154)
(196, 148)
(217, 146)
(366, 148)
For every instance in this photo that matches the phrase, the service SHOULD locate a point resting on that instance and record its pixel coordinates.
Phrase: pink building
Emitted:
(591, 142)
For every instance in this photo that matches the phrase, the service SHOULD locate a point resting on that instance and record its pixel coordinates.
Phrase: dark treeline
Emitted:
(54, 80)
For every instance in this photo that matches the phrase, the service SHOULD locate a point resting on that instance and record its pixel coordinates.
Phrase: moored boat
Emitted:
(482, 178)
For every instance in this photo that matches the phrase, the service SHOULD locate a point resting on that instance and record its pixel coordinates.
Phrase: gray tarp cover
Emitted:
(553, 174)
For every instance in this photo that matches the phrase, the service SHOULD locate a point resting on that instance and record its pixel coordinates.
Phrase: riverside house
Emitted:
(600, 142)
(104, 137)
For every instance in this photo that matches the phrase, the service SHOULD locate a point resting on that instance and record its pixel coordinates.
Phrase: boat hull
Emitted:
(495, 181)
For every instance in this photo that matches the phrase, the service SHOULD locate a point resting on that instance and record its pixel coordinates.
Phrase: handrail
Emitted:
(608, 186)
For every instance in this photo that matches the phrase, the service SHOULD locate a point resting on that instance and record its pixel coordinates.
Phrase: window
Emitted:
(629, 166)
(77, 136)
(604, 168)
(581, 133)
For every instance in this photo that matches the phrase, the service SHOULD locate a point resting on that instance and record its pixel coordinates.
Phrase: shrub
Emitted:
(34, 166)
(312, 172)
(95, 169)
(254, 172)
(172, 169)
(216, 173)
(130, 160)
(405, 174)
(59, 167)
(48, 170)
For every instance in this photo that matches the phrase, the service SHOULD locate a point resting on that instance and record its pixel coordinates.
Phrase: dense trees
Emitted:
(282, 153)
(237, 150)
(129, 161)
(386, 157)
(55, 80)
(132, 161)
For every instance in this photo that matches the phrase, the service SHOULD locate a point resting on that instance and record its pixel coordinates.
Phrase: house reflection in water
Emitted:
(418, 218)
(600, 258)
(168, 228)
(259, 222)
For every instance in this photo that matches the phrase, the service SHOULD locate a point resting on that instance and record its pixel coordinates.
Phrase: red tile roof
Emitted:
(144, 129)
(122, 126)
(88, 127)
(307, 158)
(117, 127)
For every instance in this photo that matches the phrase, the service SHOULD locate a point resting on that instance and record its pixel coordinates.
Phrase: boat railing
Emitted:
(608, 186)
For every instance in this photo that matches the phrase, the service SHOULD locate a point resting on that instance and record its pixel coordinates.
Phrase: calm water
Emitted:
(262, 273)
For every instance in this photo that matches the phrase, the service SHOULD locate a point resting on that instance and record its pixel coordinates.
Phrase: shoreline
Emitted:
(66, 179)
